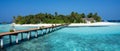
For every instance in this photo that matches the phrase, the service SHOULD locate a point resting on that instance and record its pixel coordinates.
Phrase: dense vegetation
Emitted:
(74, 17)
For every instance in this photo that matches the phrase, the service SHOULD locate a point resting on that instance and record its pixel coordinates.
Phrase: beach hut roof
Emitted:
(88, 19)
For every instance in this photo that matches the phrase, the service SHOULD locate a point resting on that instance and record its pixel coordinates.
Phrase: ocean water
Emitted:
(7, 27)
(72, 39)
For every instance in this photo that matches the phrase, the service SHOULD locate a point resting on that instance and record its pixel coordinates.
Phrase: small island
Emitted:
(74, 17)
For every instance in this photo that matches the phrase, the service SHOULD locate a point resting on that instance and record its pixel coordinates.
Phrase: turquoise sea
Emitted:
(69, 39)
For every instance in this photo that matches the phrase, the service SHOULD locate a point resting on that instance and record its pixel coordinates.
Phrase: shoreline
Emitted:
(72, 24)
(93, 24)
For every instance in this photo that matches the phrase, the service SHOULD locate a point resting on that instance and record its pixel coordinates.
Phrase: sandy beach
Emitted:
(93, 24)
(72, 24)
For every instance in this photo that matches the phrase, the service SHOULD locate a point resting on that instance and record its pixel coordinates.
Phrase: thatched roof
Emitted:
(88, 19)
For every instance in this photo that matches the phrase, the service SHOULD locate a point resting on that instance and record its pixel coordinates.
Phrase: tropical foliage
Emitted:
(74, 17)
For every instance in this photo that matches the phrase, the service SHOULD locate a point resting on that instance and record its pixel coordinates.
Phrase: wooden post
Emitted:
(53, 28)
(21, 36)
(1, 42)
(50, 29)
(46, 30)
(17, 39)
(36, 35)
(10, 39)
(42, 31)
(28, 36)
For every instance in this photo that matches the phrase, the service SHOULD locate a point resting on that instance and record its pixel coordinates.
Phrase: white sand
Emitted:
(93, 24)
(73, 24)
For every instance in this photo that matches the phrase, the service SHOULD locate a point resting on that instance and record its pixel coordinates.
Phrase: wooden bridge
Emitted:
(28, 32)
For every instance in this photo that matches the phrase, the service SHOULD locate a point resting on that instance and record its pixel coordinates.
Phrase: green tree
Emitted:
(56, 14)
(83, 15)
(90, 15)
(74, 17)
(96, 17)
(14, 18)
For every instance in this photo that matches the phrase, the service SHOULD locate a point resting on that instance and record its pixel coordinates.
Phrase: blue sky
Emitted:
(107, 9)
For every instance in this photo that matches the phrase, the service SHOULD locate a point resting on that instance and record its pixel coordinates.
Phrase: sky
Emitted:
(107, 9)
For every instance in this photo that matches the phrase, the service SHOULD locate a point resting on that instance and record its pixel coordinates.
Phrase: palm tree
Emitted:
(56, 14)
(14, 18)
(83, 15)
(89, 15)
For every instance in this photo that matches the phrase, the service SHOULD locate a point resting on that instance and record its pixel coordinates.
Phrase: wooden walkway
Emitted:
(28, 32)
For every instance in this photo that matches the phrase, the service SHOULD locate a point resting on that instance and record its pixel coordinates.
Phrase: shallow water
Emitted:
(7, 27)
(74, 39)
